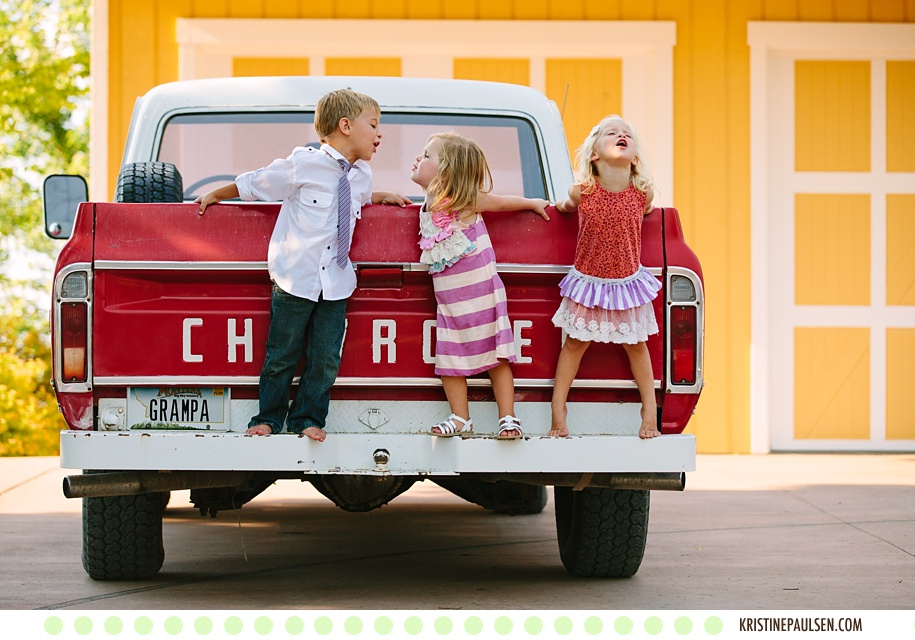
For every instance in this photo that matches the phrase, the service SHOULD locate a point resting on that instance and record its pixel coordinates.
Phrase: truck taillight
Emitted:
(71, 328)
(74, 336)
(683, 343)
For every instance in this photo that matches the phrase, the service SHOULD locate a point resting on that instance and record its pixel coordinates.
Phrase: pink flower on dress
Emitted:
(443, 218)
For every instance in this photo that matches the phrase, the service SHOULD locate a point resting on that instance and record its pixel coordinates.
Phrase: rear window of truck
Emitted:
(211, 149)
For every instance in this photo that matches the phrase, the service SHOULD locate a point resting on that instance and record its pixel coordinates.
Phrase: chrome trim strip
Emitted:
(57, 347)
(699, 304)
(178, 265)
(213, 265)
(243, 381)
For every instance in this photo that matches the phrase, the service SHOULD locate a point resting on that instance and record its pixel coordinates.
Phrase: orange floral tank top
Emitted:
(610, 232)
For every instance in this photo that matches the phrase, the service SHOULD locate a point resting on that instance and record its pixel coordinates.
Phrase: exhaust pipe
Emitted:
(663, 481)
(132, 483)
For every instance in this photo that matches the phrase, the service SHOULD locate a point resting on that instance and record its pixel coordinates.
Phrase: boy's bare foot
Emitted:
(315, 433)
(259, 430)
(559, 428)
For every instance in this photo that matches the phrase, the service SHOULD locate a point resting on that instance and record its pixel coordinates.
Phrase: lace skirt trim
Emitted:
(596, 324)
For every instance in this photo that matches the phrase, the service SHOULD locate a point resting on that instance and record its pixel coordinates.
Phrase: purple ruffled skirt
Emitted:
(608, 309)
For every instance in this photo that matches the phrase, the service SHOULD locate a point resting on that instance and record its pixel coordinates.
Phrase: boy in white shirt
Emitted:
(308, 257)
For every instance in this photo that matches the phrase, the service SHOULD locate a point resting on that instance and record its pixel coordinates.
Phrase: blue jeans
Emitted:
(300, 327)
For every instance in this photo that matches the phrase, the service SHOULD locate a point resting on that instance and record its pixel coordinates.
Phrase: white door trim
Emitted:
(98, 115)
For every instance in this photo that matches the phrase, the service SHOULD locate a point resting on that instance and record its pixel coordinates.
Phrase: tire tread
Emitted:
(122, 537)
(149, 182)
(601, 532)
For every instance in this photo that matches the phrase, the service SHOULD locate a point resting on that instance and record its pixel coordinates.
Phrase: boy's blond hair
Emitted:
(586, 172)
(339, 104)
(462, 173)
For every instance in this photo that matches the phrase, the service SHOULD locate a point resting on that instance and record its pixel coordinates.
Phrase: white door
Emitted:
(833, 237)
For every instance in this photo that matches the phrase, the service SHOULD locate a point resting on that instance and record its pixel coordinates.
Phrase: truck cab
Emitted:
(160, 318)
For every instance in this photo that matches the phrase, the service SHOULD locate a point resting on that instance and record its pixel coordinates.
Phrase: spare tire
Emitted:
(149, 182)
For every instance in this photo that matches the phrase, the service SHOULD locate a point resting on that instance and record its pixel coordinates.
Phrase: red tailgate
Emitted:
(179, 294)
(169, 284)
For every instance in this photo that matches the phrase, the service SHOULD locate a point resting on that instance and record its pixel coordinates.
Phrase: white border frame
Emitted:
(774, 46)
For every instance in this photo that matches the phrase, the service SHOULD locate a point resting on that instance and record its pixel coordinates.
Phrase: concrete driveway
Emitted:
(776, 532)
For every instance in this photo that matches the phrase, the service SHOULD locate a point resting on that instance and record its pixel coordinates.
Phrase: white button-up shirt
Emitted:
(303, 248)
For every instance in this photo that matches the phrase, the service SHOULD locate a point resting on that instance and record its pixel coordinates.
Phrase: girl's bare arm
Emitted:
(570, 204)
(490, 202)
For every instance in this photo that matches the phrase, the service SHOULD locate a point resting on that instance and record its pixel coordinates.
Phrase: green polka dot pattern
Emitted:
(374, 625)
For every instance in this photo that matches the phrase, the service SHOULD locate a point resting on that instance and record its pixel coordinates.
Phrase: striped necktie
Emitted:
(344, 205)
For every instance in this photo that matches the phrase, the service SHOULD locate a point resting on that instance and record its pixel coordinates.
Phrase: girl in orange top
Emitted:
(607, 295)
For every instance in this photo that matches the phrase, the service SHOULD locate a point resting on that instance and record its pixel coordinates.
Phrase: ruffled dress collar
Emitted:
(442, 243)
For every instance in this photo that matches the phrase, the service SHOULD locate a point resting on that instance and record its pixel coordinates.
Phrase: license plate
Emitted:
(198, 408)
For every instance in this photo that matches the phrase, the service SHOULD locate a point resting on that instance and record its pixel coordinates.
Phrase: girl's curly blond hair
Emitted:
(585, 170)
(463, 174)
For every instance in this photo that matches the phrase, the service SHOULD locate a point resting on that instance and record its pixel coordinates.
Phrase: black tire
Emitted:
(601, 532)
(164, 498)
(122, 537)
(530, 500)
(149, 182)
(503, 496)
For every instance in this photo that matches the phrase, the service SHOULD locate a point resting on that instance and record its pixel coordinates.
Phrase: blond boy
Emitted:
(308, 257)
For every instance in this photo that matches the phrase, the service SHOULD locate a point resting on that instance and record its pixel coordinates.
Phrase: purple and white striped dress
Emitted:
(473, 332)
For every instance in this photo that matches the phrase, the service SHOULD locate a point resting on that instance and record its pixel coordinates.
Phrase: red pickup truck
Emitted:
(160, 317)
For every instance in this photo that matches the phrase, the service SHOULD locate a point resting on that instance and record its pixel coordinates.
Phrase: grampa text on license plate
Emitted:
(177, 407)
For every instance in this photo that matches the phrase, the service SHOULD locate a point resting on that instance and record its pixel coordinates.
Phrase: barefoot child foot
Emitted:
(315, 433)
(259, 430)
(649, 427)
(646, 432)
(559, 428)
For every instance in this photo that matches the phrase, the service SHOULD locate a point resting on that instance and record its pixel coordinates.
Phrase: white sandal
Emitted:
(447, 427)
(509, 423)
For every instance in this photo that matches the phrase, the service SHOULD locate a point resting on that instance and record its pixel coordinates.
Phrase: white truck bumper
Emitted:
(356, 454)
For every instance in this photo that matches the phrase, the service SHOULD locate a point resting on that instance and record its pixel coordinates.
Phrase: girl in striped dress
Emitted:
(473, 333)
(607, 295)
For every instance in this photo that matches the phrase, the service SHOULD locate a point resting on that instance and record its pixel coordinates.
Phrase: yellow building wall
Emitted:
(711, 128)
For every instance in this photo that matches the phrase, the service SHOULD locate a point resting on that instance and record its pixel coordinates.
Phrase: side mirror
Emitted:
(61, 195)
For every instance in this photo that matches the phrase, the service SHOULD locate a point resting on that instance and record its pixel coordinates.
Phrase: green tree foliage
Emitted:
(44, 84)
(29, 421)
(44, 72)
